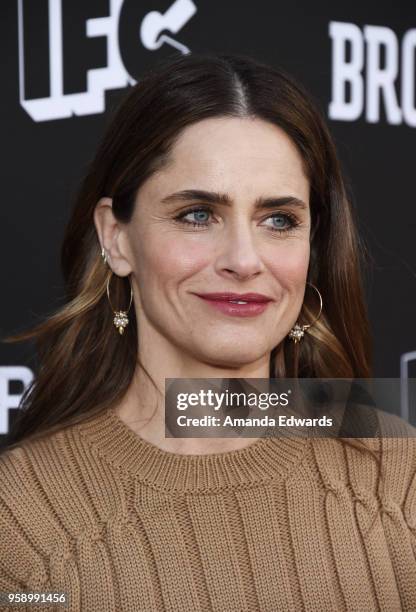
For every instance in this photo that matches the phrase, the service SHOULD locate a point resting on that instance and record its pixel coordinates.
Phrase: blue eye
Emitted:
(281, 222)
(201, 217)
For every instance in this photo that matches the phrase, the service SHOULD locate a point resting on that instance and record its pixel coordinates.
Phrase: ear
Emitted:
(110, 235)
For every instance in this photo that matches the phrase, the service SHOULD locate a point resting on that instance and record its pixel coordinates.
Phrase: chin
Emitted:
(232, 355)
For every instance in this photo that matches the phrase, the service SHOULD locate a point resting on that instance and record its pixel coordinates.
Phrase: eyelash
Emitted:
(289, 217)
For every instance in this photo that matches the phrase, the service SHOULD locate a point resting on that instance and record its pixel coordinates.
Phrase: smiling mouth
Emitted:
(236, 298)
(252, 306)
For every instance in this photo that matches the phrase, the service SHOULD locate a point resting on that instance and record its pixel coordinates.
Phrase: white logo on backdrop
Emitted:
(371, 81)
(11, 400)
(59, 105)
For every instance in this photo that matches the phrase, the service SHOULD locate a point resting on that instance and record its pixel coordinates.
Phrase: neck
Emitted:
(143, 406)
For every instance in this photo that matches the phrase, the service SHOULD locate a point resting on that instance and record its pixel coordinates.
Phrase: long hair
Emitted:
(84, 365)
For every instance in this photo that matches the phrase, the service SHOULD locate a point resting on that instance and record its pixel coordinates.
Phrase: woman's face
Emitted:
(224, 235)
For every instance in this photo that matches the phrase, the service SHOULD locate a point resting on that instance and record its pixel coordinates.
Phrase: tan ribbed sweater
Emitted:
(284, 524)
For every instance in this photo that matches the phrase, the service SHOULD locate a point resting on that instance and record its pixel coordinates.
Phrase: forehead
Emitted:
(234, 154)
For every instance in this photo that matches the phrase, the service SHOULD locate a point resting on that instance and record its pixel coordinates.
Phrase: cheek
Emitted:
(172, 260)
(289, 265)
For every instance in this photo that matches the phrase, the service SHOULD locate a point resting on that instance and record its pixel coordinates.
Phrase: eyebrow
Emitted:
(212, 197)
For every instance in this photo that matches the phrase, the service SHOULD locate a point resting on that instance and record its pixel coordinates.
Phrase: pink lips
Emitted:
(254, 303)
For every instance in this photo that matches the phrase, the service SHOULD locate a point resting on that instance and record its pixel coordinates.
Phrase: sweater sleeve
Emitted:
(409, 497)
(21, 565)
(398, 459)
(398, 455)
(409, 511)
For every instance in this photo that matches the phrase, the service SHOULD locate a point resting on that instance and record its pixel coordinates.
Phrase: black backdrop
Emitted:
(66, 64)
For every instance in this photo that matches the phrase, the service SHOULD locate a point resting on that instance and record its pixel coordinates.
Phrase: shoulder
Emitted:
(44, 472)
(381, 466)
(22, 466)
(32, 473)
(21, 551)
(391, 425)
(396, 449)
(395, 446)
(37, 484)
(43, 504)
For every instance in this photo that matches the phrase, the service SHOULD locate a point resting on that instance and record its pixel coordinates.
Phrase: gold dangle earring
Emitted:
(120, 316)
(298, 331)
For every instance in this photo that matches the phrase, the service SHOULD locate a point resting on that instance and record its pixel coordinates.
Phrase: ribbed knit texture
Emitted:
(284, 524)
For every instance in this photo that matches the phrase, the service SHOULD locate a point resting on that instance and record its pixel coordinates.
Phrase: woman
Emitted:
(216, 176)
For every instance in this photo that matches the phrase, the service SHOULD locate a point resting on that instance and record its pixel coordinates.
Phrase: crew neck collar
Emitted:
(266, 459)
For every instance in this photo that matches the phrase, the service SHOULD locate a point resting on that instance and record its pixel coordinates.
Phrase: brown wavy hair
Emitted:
(85, 366)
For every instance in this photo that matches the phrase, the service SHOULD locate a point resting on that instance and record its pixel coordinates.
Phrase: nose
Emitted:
(239, 255)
